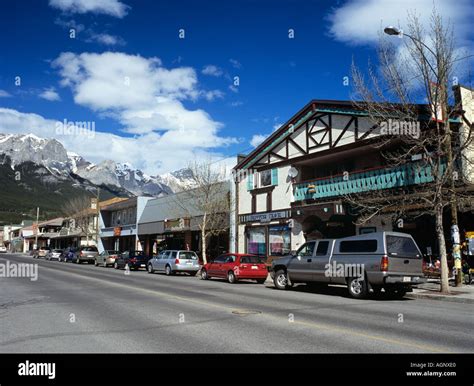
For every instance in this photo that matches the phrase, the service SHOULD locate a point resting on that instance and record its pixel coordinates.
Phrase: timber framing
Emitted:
(320, 126)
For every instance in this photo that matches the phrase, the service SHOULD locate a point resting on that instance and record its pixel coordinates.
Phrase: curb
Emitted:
(445, 298)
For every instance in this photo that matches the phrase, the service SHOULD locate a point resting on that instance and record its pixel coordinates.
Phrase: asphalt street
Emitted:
(85, 309)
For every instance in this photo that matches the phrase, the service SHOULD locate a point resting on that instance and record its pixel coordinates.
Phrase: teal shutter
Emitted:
(275, 176)
(250, 182)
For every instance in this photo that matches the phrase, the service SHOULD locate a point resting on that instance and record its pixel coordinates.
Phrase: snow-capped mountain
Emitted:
(52, 155)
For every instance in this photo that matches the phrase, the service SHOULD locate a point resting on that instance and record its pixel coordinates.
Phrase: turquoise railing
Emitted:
(376, 179)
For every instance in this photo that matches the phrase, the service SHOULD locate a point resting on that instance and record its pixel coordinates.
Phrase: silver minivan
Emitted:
(172, 261)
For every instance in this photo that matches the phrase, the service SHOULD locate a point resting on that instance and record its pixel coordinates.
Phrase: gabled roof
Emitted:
(307, 112)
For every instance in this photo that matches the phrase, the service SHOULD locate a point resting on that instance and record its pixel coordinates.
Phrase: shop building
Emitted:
(173, 222)
(119, 224)
(292, 187)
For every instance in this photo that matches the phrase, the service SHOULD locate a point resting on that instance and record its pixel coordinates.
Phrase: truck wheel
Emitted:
(280, 280)
(357, 288)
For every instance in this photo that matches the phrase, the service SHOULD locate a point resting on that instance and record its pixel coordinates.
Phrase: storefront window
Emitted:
(279, 240)
(256, 241)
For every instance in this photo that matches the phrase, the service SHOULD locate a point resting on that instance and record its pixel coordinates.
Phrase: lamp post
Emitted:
(393, 31)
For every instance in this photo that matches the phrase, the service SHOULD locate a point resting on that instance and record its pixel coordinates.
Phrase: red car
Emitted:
(236, 266)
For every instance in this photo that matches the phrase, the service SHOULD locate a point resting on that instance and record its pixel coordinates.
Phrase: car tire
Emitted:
(96, 263)
(116, 265)
(280, 280)
(105, 264)
(204, 275)
(231, 278)
(168, 271)
(261, 281)
(150, 269)
(357, 288)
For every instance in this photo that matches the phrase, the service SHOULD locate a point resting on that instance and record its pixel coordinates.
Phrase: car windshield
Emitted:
(90, 249)
(251, 260)
(187, 255)
(113, 252)
(57, 250)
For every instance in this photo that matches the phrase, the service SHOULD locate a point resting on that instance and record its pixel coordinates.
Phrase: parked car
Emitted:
(68, 254)
(3, 249)
(41, 252)
(235, 266)
(106, 258)
(388, 260)
(131, 259)
(54, 254)
(88, 253)
(173, 261)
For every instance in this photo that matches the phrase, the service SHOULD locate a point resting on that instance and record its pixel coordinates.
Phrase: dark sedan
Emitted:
(68, 255)
(131, 259)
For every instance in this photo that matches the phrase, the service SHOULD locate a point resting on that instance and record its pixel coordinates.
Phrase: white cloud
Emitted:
(142, 95)
(4, 94)
(109, 7)
(107, 39)
(233, 88)
(257, 139)
(154, 153)
(212, 70)
(213, 94)
(139, 92)
(50, 94)
(235, 63)
(360, 21)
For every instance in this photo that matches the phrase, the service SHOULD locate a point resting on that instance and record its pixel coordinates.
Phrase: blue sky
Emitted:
(156, 100)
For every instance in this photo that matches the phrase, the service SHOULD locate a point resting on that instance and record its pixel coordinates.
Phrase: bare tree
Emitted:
(209, 200)
(79, 209)
(418, 73)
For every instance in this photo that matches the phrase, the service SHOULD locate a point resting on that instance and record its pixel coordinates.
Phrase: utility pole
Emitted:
(36, 228)
(97, 218)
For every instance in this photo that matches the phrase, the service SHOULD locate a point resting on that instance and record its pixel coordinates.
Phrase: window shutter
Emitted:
(250, 182)
(275, 176)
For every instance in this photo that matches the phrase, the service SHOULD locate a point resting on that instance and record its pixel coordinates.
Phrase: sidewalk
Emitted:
(430, 290)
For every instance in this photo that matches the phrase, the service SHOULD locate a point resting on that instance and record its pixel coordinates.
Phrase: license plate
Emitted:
(406, 278)
(142, 265)
(254, 267)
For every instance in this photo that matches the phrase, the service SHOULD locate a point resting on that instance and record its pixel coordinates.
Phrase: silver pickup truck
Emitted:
(388, 260)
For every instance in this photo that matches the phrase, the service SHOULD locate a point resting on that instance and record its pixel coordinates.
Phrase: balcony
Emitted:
(413, 173)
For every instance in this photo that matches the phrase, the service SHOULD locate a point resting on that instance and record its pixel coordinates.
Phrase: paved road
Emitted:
(82, 308)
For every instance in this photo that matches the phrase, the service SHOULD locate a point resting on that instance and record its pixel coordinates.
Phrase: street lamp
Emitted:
(394, 31)
(390, 30)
